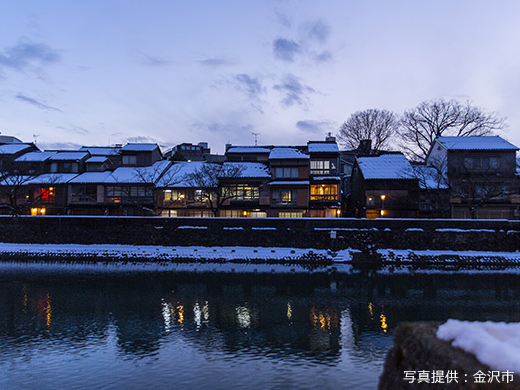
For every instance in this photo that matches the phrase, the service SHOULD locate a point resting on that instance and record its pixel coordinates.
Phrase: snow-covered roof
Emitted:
(68, 156)
(177, 174)
(13, 148)
(322, 147)
(101, 150)
(35, 156)
(52, 178)
(5, 139)
(247, 149)
(476, 143)
(139, 175)
(320, 178)
(251, 170)
(91, 178)
(290, 183)
(386, 166)
(429, 178)
(139, 147)
(287, 153)
(97, 159)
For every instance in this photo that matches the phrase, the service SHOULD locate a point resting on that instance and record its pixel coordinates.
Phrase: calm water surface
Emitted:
(167, 330)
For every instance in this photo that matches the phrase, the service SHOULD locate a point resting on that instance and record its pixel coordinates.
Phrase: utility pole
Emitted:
(256, 138)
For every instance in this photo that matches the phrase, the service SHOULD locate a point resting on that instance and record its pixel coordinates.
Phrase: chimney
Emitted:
(364, 148)
(330, 138)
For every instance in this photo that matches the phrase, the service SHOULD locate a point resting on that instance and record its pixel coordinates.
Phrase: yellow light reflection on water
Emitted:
(180, 313)
(370, 308)
(289, 311)
(324, 319)
(48, 312)
(384, 325)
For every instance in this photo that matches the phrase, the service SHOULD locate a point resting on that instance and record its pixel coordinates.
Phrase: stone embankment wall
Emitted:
(335, 234)
(417, 349)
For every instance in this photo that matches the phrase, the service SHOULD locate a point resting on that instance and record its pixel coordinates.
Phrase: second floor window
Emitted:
(242, 192)
(284, 196)
(47, 195)
(174, 195)
(286, 172)
(324, 192)
(481, 162)
(323, 167)
(130, 160)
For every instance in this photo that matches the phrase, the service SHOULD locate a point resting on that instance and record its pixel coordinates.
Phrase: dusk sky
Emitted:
(96, 72)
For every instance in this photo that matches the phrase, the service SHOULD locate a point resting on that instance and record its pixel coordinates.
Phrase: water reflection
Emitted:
(197, 328)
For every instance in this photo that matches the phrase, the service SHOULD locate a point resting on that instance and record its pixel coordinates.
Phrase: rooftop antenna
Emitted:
(35, 136)
(256, 138)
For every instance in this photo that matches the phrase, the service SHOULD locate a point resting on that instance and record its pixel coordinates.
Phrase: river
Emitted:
(212, 330)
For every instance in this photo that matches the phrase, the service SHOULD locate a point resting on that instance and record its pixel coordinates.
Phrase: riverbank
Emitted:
(335, 234)
(255, 259)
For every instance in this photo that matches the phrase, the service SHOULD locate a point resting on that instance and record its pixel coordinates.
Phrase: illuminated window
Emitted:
(48, 195)
(323, 167)
(285, 197)
(324, 192)
(174, 195)
(242, 192)
(290, 214)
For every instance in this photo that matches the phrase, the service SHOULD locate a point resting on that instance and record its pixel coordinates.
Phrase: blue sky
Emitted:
(103, 72)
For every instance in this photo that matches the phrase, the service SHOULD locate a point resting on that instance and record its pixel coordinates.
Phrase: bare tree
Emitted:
(379, 126)
(478, 189)
(211, 179)
(434, 118)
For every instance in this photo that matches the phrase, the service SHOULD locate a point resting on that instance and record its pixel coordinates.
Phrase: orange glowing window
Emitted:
(47, 195)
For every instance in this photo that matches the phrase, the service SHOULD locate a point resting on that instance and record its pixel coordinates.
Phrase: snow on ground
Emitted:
(496, 344)
(169, 253)
(405, 253)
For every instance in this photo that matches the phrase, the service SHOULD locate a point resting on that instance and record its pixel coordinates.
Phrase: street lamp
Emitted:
(383, 204)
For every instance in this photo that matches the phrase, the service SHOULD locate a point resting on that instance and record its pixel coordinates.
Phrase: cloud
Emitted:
(216, 63)
(252, 86)
(310, 126)
(25, 55)
(36, 103)
(283, 19)
(323, 56)
(316, 30)
(293, 90)
(74, 129)
(154, 61)
(285, 49)
(58, 146)
(142, 140)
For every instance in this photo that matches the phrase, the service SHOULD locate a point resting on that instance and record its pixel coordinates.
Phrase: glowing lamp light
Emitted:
(383, 197)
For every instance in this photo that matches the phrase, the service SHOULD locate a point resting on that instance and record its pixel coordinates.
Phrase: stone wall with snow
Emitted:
(320, 233)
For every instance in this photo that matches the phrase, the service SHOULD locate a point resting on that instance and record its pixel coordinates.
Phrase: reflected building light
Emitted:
(48, 313)
(205, 312)
(197, 315)
(370, 308)
(243, 316)
(167, 316)
(326, 319)
(384, 325)
(25, 298)
(289, 311)
(180, 312)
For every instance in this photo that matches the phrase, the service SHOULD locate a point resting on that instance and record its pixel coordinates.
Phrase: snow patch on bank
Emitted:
(496, 344)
